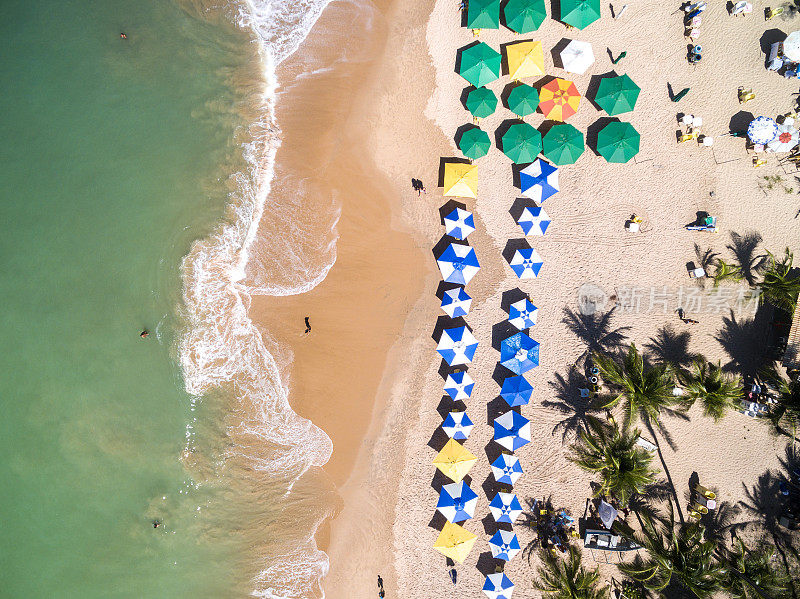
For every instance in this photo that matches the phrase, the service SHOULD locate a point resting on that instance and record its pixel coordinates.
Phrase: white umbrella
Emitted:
(762, 130)
(791, 46)
(788, 137)
(457, 425)
(456, 302)
(577, 57)
(459, 385)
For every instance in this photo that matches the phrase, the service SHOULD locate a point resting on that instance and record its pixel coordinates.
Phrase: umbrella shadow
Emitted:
(512, 296)
(546, 125)
(594, 85)
(576, 409)
(461, 50)
(448, 404)
(556, 51)
(438, 521)
(448, 207)
(438, 440)
(516, 180)
(502, 130)
(519, 206)
(594, 129)
(465, 93)
(740, 121)
(502, 331)
(452, 160)
(507, 92)
(462, 130)
(769, 37)
(445, 286)
(495, 408)
(555, 10)
(444, 242)
(445, 322)
(487, 564)
(542, 82)
(512, 246)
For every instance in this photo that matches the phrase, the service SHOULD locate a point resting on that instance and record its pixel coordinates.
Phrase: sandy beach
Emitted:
(368, 373)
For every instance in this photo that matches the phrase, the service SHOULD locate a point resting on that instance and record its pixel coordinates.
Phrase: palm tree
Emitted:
(623, 466)
(751, 575)
(785, 412)
(568, 579)
(715, 389)
(676, 555)
(780, 286)
(644, 391)
(725, 272)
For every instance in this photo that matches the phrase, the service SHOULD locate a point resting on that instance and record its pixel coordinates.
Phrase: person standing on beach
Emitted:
(308, 326)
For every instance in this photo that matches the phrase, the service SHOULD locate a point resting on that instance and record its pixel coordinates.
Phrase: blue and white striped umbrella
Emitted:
(504, 545)
(456, 302)
(516, 391)
(459, 385)
(459, 223)
(523, 314)
(457, 346)
(458, 264)
(498, 586)
(519, 353)
(539, 180)
(506, 469)
(762, 130)
(512, 430)
(457, 425)
(534, 221)
(457, 502)
(505, 507)
(526, 263)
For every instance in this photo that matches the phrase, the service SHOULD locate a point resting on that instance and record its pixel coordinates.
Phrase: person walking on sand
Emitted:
(308, 326)
(681, 314)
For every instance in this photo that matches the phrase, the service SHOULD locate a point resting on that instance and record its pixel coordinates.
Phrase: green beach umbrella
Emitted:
(524, 16)
(481, 102)
(523, 100)
(563, 144)
(474, 143)
(616, 95)
(580, 13)
(618, 142)
(522, 143)
(480, 64)
(483, 14)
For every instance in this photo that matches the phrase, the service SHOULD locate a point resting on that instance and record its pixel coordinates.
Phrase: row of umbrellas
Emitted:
(524, 16)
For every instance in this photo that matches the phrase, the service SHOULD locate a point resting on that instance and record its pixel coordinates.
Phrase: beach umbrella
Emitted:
(534, 220)
(481, 102)
(526, 263)
(457, 502)
(459, 385)
(474, 143)
(459, 223)
(483, 14)
(616, 95)
(504, 545)
(762, 130)
(577, 57)
(516, 391)
(506, 469)
(454, 461)
(457, 346)
(512, 430)
(786, 139)
(480, 64)
(460, 180)
(455, 542)
(524, 16)
(457, 425)
(562, 144)
(458, 264)
(521, 143)
(525, 59)
(618, 142)
(519, 353)
(791, 46)
(505, 507)
(523, 100)
(559, 99)
(539, 180)
(498, 586)
(456, 302)
(580, 13)
(522, 314)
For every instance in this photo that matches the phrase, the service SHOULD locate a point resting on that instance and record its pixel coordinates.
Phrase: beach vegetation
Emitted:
(716, 390)
(751, 574)
(770, 182)
(623, 467)
(784, 413)
(780, 284)
(568, 578)
(723, 271)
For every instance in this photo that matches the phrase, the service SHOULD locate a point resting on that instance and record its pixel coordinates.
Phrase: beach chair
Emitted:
(688, 136)
(746, 95)
(701, 490)
(694, 514)
(699, 508)
(758, 161)
(697, 273)
(770, 13)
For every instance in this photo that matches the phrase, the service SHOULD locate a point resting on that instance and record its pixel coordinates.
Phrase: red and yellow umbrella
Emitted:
(559, 99)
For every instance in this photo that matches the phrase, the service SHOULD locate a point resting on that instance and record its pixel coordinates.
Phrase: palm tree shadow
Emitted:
(595, 331)
(745, 342)
(671, 347)
(744, 248)
(569, 402)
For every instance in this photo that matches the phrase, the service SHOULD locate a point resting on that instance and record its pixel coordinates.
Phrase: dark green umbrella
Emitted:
(522, 143)
(474, 143)
(523, 100)
(616, 95)
(618, 142)
(563, 144)
(483, 14)
(580, 13)
(524, 16)
(480, 64)
(481, 102)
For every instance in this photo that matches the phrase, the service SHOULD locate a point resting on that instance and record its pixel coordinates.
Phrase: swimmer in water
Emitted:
(144, 334)
(123, 36)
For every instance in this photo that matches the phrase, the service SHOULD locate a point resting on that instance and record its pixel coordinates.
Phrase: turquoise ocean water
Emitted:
(113, 160)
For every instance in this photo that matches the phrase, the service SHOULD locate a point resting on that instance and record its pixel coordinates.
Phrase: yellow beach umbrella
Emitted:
(460, 180)
(455, 542)
(559, 99)
(454, 460)
(525, 59)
